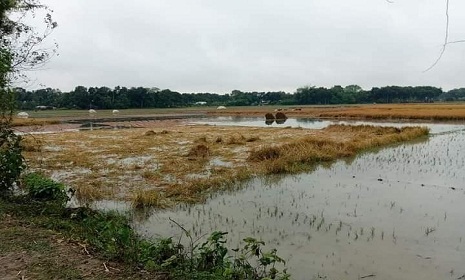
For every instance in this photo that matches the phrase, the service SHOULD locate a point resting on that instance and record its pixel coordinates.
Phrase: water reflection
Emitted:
(278, 121)
(313, 123)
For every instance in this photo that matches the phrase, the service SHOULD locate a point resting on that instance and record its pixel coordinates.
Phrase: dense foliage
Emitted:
(42, 188)
(122, 97)
(19, 51)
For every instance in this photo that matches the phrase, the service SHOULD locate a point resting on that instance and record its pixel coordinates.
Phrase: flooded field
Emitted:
(313, 123)
(396, 213)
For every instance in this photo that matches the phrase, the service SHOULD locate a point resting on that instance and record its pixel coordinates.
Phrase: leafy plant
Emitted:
(211, 260)
(11, 159)
(42, 188)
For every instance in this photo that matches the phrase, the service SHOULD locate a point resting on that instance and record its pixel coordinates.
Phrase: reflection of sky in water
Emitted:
(320, 124)
(363, 216)
(396, 213)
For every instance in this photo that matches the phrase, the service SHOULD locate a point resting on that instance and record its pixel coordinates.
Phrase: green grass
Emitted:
(110, 236)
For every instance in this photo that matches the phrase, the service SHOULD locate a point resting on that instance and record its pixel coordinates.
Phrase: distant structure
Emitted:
(23, 115)
(220, 108)
(200, 103)
(42, 108)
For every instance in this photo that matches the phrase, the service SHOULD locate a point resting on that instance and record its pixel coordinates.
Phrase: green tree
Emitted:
(19, 51)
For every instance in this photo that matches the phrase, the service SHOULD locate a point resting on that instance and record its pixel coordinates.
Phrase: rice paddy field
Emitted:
(339, 199)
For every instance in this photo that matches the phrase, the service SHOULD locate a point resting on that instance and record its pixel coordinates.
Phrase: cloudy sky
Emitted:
(219, 45)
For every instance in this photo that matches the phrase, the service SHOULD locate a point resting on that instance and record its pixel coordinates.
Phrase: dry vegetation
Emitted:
(35, 121)
(434, 111)
(298, 154)
(184, 162)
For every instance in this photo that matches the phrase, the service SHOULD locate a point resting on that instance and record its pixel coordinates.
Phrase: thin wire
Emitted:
(446, 39)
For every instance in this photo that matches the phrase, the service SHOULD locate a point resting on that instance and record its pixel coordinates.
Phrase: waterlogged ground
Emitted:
(397, 213)
(314, 123)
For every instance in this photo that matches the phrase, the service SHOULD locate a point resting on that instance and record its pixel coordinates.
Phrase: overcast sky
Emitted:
(254, 45)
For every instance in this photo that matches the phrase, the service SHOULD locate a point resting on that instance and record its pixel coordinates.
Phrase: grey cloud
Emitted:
(211, 45)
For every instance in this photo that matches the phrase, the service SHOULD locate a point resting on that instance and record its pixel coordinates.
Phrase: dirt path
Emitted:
(31, 252)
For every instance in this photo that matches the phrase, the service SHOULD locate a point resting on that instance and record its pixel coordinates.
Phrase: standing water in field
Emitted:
(397, 213)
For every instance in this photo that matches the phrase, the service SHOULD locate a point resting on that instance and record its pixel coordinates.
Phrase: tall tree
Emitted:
(19, 51)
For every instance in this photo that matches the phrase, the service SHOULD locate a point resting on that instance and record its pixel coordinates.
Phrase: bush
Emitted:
(11, 160)
(44, 189)
(211, 260)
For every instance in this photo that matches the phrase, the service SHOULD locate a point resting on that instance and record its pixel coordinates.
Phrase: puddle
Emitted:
(219, 162)
(392, 214)
(64, 175)
(52, 148)
(129, 161)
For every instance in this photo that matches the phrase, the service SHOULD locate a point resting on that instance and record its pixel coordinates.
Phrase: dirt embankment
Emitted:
(28, 251)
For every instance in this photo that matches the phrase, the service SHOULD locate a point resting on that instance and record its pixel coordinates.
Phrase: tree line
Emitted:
(140, 97)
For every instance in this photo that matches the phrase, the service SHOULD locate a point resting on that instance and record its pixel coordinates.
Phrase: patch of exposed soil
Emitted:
(31, 252)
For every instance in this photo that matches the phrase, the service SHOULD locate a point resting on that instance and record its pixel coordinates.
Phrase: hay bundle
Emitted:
(269, 116)
(281, 116)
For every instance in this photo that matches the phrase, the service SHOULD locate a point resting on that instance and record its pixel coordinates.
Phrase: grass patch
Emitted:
(199, 151)
(148, 198)
(110, 236)
(34, 121)
(112, 164)
(297, 155)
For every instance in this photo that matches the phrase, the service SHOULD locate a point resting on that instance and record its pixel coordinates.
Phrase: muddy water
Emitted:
(397, 213)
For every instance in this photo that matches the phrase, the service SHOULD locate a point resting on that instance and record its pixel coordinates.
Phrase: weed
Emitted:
(42, 188)
(236, 140)
(146, 198)
(202, 139)
(429, 230)
(31, 144)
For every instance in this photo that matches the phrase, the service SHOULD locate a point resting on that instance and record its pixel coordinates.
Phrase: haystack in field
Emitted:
(23, 115)
(269, 116)
(281, 116)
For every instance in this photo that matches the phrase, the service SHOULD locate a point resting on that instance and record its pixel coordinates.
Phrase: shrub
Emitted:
(11, 160)
(45, 189)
